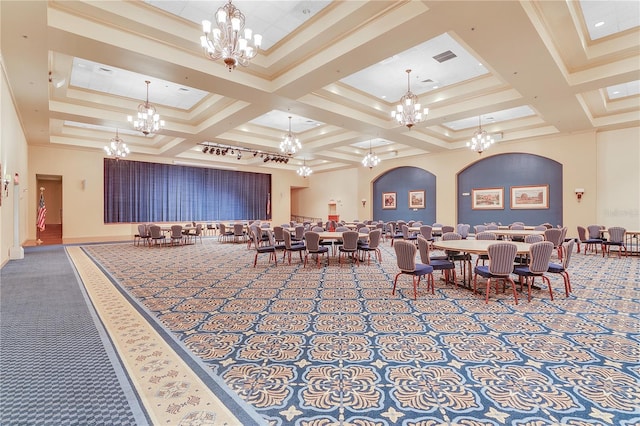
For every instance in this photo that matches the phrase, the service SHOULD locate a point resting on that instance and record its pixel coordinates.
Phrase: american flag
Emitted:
(42, 213)
(268, 205)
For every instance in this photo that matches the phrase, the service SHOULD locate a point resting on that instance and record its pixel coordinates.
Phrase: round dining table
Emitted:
(475, 247)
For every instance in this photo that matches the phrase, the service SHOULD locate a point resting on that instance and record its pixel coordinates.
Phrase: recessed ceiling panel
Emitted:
(115, 81)
(434, 64)
(493, 117)
(618, 91)
(273, 20)
(607, 17)
(279, 120)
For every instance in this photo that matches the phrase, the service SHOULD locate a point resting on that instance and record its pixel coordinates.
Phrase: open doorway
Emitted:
(50, 187)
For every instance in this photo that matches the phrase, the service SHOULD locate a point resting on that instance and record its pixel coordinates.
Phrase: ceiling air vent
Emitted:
(445, 56)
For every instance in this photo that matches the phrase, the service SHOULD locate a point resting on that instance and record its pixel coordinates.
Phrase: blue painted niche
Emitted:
(401, 180)
(505, 171)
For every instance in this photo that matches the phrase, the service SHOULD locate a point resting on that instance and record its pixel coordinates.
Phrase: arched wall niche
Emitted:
(401, 181)
(509, 171)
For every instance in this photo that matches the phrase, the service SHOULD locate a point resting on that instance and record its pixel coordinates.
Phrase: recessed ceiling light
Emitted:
(599, 24)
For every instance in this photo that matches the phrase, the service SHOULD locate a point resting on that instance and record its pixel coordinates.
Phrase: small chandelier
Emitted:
(408, 111)
(117, 148)
(481, 140)
(226, 41)
(148, 120)
(290, 143)
(304, 171)
(370, 160)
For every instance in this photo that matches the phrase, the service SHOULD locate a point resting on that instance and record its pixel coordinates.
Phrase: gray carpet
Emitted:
(56, 364)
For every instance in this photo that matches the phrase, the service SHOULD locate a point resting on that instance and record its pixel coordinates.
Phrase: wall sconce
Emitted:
(5, 181)
(364, 202)
(579, 193)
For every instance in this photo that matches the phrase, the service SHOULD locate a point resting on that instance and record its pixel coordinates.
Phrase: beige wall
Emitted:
(83, 205)
(582, 157)
(618, 180)
(13, 156)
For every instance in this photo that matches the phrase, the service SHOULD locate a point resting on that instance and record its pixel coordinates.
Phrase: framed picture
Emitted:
(388, 200)
(530, 197)
(416, 199)
(487, 198)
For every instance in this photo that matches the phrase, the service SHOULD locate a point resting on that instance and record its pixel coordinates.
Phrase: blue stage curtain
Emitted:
(136, 191)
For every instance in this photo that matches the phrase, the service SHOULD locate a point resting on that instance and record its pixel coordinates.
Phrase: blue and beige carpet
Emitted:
(206, 338)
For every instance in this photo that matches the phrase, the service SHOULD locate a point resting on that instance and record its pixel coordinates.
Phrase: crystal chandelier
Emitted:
(481, 139)
(304, 171)
(148, 120)
(117, 148)
(370, 160)
(226, 41)
(290, 143)
(408, 111)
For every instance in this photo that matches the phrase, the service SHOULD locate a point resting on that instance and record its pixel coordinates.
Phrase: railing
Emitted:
(302, 219)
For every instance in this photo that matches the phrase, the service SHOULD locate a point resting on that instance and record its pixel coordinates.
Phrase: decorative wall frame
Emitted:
(389, 200)
(417, 199)
(530, 197)
(487, 198)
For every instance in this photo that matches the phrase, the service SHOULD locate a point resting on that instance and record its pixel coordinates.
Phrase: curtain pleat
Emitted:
(136, 191)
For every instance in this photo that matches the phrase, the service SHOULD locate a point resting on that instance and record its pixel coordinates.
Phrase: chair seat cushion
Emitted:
(266, 249)
(524, 271)
(483, 271)
(320, 250)
(298, 247)
(555, 268)
(440, 264)
(422, 269)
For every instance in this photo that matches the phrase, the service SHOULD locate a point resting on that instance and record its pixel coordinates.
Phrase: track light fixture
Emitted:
(238, 151)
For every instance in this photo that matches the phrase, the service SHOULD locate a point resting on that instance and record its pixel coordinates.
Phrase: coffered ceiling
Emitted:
(524, 69)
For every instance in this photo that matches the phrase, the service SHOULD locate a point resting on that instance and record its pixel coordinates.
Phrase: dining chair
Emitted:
(408, 236)
(406, 262)
(142, 235)
(225, 234)
(262, 248)
(595, 234)
(454, 255)
(616, 238)
(501, 256)
(463, 230)
(195, 234)
(447, 266)
(176, 235)
(479, 228)
(289, 247)
(239, 233)
(554, 235)
(562, 268)
(539, 258)
(589, 243)
(517, 227)
(349, 247)
(373, 245)
(485, 235)
(157, 236)
(312, 239)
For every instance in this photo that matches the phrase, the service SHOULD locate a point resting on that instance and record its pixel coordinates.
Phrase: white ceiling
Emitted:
(525, 69)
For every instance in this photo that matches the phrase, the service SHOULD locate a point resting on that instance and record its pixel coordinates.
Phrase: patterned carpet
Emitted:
(331, 345)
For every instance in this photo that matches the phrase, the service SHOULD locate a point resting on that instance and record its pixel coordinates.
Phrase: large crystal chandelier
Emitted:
(370, 160)
(304, 171)
(226, 41)
(147, 120)
(409, 111)
(290, 143)
(117, 148)
(481, 140)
